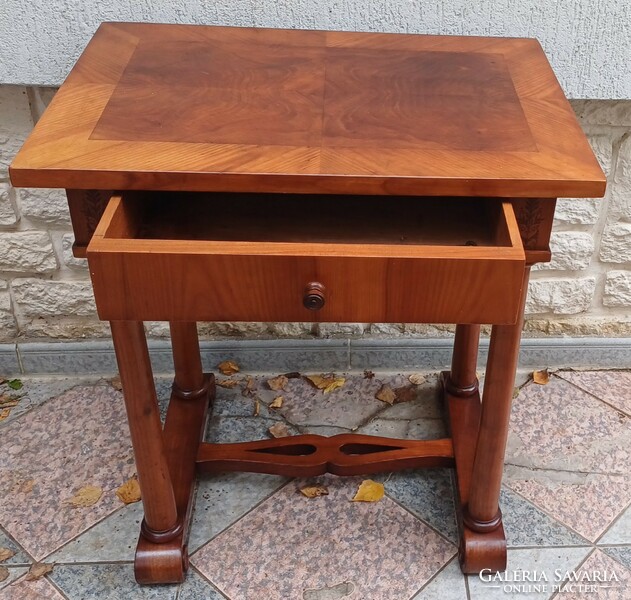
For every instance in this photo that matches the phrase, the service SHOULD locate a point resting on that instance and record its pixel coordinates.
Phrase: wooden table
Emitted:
(219, 173)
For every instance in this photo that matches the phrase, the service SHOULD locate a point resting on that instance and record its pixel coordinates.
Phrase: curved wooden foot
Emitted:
(161, 563)
(478, 551)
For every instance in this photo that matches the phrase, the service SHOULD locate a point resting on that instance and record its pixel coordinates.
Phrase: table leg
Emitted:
(463, 379)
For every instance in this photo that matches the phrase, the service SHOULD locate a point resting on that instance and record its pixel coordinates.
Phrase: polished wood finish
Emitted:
(251, 167)
(233, 280)
(184, 107)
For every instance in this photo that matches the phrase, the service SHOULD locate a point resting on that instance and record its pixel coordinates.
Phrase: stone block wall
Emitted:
(585, 290)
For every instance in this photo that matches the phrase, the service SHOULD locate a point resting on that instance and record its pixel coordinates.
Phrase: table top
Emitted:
(201, 108)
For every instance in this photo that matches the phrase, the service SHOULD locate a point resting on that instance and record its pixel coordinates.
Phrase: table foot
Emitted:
(485, 548)
(167, 561)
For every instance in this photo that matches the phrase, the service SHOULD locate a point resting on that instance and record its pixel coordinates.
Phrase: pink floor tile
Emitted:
(79, 438)
(291, 545)
(40, 589)
(614, 387)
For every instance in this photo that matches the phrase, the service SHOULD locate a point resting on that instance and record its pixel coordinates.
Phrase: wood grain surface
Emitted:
(180, 107)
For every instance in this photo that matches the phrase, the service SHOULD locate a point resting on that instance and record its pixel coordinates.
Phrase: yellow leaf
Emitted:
(86, 496)
(228, 367)
(277, 383)
(257, 407)
(6, 554)
(4, 413)
(338, 382)
(279, 430)
(129, 492)
(313, 491)
(541, 377)
(4, 573)
(277, 403)
(228, 383)
(8, 401)
(386, 394)
(38, 570)
(369, 491)
(416, 379)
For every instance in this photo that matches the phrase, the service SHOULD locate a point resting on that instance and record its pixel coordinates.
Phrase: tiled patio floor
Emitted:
(566, 496)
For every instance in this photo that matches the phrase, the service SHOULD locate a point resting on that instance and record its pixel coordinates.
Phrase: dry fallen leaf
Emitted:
(386, 394)
(327, 384)
(86, 496)
(407, 393)
(129, 492)
(26, 487)
(8, 402)
(257, 407)
(248, 390)
(515, 392)
(541, 377)
(6, 554)
(228, 383)
(277, 402)
(4, 573)
(38, 570)
(293, 375)
(368, 374)
(313, 491)
(279, 430)
(369, 491)
(416, 379)
(4, 413)
(228, 367)
(115, 382)
(277, 383)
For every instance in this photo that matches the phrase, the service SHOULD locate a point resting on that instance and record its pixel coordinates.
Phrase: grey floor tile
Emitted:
(222, 499)
(386, 428)
(14, 573)
(526, 525)
(449, 584)
(620, 531)
(197, 588)
(106, 582)
(529, 559)
(427, 429)
(427, 493)
(19, 557)
(325, 430)
(621, 553)
(227, 430)
(112, 539)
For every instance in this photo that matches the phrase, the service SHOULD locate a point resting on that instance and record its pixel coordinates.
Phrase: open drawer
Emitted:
(255, 257)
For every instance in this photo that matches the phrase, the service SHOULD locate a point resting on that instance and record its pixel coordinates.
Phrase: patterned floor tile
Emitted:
(227, 430)
(429, 494)
(449, 584)
(19, 556)
(598, 564)
(621, 553)
(113, 539)
(386, 428)
(427, 429)
(526, 525)
(620, 531)
(79, 438)
(222, 499)
(40, 589)
(197, 588)
(14, 573)
(296, 544)
(539, 560)
(106, 582)
(614, 387)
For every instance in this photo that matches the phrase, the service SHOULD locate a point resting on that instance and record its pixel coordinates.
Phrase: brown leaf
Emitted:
(313, 491)
(4, 573)
(3, 380)
(6, 554)
(369, 491)
(86, 496)
(4, 413)
(277, 402)
(293, 375)
(327, 384)
(228, 383)
(277, 383)
(228, 367)
(26, 487)
(257, 407)
(116, 383)
(8, 402)
(279, 430)
(38, 570)
(248, 390)
(368, 374)
(407, 393)
(417, 379)
(129, 492)
(541, 377)
(386, 394)
(515, 392)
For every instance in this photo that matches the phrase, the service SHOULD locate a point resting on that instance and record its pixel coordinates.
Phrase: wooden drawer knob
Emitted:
(314, 297)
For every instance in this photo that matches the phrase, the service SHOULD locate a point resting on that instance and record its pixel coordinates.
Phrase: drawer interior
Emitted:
(329, 219)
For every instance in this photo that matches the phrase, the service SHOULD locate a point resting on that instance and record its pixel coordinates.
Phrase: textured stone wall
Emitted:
(585, 290)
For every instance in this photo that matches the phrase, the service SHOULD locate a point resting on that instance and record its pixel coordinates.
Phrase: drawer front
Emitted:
(136, 278)
(272, 288)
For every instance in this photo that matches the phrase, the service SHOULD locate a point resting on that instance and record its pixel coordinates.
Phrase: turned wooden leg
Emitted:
(463, 379)
(161, 519)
